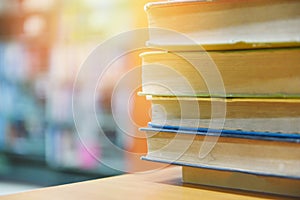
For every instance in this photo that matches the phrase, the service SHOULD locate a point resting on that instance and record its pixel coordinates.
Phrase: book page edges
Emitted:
(222, 46)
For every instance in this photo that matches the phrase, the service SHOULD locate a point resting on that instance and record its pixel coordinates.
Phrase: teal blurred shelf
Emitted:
(35, 170)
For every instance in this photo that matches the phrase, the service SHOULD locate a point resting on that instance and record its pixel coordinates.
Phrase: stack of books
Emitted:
(225, 92)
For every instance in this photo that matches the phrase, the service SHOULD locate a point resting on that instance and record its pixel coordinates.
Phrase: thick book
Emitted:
(223, 24)
(254, 153)
(241, 181)
(241, 73)
(240, 114)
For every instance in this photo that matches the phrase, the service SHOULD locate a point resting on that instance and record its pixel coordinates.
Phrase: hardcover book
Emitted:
(241, 181)
(243, 114)
(273, 155)
(223, 24)
(247, 73)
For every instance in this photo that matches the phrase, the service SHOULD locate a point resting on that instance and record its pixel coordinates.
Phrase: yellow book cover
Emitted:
(241, 181)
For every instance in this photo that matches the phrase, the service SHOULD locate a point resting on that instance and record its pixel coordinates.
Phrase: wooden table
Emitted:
(162, 184)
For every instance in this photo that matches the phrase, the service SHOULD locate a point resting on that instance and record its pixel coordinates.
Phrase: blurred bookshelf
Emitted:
(42, 44)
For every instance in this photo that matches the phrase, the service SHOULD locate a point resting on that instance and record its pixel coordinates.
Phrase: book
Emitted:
(273, 155)
(239, 114)
(223, 86)
(241, 181)
(241, 73)
(222, 24)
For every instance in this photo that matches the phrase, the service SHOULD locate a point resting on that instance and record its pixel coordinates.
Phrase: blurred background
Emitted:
(42, 44)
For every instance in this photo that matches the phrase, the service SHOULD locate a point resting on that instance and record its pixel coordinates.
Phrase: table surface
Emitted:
(161, 184)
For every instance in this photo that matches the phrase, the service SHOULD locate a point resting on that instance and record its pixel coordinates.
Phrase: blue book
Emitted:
(269, 154)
